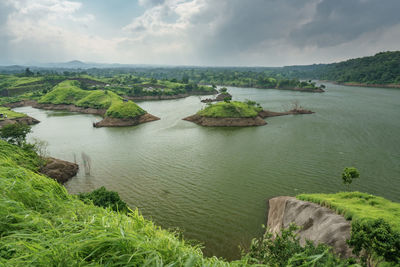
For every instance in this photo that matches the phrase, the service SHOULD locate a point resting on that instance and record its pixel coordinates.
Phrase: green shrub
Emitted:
(103, 198)
(231, 109)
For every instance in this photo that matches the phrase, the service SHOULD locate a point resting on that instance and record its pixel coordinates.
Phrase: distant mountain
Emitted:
(382, 68)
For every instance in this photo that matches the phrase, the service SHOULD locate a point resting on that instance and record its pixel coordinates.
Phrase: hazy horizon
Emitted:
(226, 33)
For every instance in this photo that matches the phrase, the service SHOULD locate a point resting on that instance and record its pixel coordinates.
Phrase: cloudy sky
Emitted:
(196, 32)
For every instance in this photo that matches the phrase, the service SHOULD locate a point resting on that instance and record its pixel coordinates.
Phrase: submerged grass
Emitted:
(358, 206)
(42, 225)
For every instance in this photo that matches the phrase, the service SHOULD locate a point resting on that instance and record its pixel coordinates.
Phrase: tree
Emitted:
(15, 133)
(223, 90)
(375, 241)
(348, 175)
(28, 72)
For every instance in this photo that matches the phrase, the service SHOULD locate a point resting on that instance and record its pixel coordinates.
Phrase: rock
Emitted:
(59, 170)
(26, 120)
(267, 113)
(317, 223)
(226, 122)
(116, 122)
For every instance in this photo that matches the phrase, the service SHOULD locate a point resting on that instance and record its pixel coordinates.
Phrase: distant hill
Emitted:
(382, 68)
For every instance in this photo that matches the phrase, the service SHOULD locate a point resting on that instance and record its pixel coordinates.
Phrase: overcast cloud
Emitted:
(198, 32)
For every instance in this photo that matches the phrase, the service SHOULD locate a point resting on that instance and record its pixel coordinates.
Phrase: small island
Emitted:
(116, 111)
(8, 116)
(223, 95)
(238, 114)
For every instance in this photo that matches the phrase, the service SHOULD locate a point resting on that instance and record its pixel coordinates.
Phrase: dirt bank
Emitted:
(317, 223)
(59, 170)
(71, 108)
(226, 122)
(116, 122)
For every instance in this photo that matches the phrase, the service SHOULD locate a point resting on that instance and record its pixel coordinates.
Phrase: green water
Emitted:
(213, 183)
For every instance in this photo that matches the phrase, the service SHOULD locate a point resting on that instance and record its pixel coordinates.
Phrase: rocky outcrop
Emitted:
(117, 122)
(26, 120)
(226, 122)
(59, 170)
(317, 223)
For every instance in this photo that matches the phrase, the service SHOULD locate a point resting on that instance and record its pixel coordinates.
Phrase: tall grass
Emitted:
(233, 109)
(42, 225)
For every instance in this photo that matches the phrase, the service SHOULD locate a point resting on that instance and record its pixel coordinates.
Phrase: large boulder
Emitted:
(318, 224)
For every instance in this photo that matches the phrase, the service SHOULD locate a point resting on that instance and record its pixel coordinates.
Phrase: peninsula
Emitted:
(237, 114)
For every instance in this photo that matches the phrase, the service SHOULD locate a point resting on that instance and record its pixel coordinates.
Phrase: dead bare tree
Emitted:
(87, 162)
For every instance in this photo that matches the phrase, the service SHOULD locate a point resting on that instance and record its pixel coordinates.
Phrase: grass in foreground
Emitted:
(233, 109)
(358, 206)
(68, 92)
(10, 114)
(43, 225)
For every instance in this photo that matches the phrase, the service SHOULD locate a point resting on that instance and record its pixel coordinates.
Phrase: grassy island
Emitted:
(7, 112)
(117, 111)
(233, 109)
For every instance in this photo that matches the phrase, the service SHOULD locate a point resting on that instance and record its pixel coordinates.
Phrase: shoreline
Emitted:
(169, 97)
(296, 89)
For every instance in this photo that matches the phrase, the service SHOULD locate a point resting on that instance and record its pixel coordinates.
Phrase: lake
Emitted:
(213, 183)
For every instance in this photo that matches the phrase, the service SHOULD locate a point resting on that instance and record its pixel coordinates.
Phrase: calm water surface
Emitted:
(213, 183)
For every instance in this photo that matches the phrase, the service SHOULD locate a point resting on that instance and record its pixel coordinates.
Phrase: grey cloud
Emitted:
(340, 21)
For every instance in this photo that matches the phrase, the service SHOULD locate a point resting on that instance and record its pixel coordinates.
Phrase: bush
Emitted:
(349, 174)
(107, 199)
(285, 250)
(15, 133)
(375, 241)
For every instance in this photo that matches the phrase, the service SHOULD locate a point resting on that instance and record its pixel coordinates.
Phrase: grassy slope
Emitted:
(359, 206)
(68, 92)
(233, 109)
(11, 114)
(42, 225)
(11, 81)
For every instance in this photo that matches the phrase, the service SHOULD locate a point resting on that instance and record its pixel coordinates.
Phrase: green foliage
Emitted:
(376, 241)
(349, 174)
(232, 109)
(107, 199)
(359, 206)
(98, 99)
(15, 133)
(124, 110)
(285, 250)
(223, 90)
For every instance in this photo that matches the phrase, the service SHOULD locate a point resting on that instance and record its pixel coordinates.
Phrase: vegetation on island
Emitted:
(69, 92)
(231, 109)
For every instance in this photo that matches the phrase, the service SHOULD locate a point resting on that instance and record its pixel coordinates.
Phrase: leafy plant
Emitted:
(348, 175)
(375, 241)
(104, 198)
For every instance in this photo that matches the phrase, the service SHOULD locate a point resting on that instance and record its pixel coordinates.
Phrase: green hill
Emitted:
(69, 92)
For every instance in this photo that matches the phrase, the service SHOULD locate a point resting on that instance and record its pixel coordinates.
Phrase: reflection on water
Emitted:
(213, 183)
